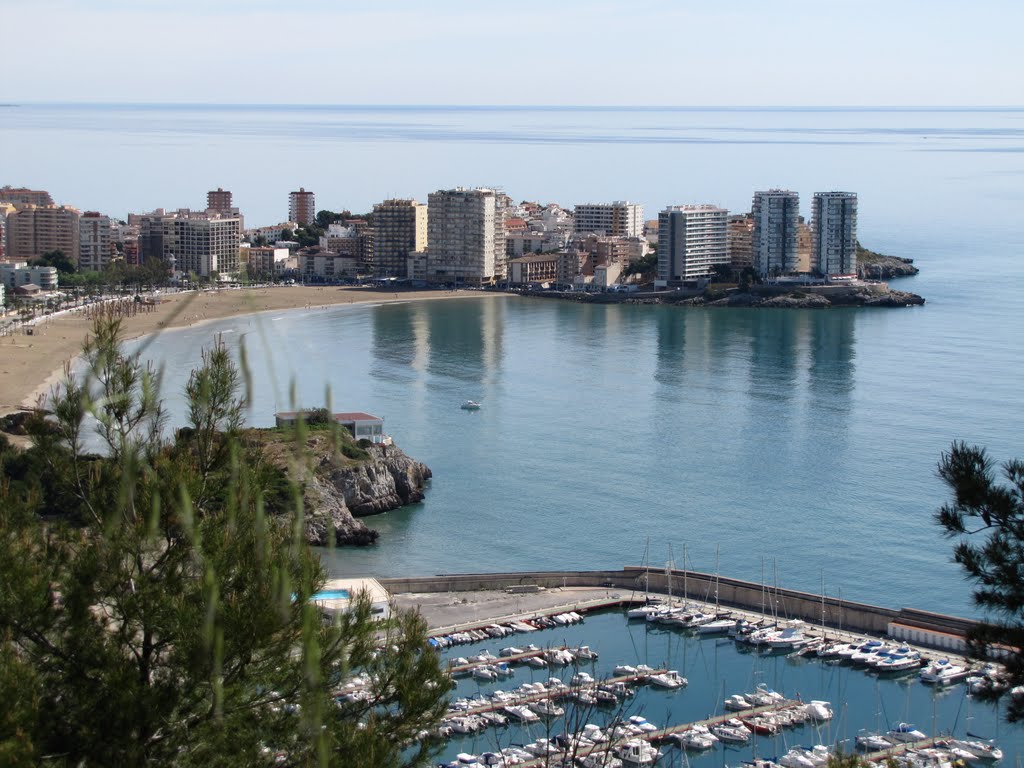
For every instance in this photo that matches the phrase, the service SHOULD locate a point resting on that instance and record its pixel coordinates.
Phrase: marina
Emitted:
(852, 701)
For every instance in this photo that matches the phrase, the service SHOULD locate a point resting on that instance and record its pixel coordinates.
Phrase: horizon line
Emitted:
(552, 107)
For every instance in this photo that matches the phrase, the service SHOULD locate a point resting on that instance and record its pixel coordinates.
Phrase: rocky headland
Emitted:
(341, 481)
(872, 265)
(853, 297)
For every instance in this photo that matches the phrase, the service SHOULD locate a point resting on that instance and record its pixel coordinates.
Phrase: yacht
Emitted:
(696, 738)
(522, 713)
(819, 711)
(637, 752)
(869, 741)
(584, 653)
(737, 702)
(981, 750)
(762, 696)
(600, 760)
(943, 672)
(638, 721)
(670, 680)
(732, 731)
(905, 732)
(716, 627)
(471, 405)
(547, 708)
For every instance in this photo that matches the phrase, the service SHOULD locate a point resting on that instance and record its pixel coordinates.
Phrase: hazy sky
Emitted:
(786, 52)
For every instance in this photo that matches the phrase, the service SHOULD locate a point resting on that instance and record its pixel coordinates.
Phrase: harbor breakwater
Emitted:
(923, 628)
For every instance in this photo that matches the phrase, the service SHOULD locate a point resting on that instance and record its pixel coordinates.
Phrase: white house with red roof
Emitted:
(363, 426)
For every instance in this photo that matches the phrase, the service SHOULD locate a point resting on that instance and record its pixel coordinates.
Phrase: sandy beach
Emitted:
(31, 364)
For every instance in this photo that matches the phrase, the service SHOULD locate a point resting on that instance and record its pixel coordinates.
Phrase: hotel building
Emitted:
(466, 236)
(302, 207)
(34, 230)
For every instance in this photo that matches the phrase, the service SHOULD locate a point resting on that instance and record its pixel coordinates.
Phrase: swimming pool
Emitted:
(332, 594)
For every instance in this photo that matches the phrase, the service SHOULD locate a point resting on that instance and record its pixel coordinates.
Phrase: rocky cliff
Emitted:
(877, 266)
(342, 482)
(854, 297)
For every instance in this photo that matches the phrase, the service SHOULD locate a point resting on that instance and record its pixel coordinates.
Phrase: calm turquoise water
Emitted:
(802, 442)
(717, 668)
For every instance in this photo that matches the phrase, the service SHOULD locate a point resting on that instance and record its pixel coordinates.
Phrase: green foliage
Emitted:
(647, 266)
(324, 219)
(993, 511)
(318, 417)
(56, 259)
(154, 612)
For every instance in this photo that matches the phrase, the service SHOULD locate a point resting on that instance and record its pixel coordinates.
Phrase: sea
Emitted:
(793, 447)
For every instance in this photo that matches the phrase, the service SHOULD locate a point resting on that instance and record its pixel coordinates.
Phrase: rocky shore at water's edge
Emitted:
(804, 300)
(339, 486)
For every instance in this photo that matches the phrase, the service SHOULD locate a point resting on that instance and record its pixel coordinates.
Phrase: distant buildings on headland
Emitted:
(461, 236)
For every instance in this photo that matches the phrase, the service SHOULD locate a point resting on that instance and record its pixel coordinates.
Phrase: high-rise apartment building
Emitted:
(93, 242)
(401, 229)
(204, 243)
(466, 235)
(741, 241)
(198, 241)
(302, 207)
(834, 233)
(621, 218)
(34, 230)
(22, 196)
(776, 213)
(219, 200)
(692, 239)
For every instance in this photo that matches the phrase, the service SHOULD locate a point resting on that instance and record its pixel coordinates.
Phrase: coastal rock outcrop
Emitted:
(341, 480)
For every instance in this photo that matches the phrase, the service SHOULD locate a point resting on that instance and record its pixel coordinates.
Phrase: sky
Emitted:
(565, 52)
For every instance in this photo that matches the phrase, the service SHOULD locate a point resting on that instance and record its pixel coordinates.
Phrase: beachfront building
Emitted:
(94, 242)
(692, 241)
(834, 234)
(33, 230)
(621, 218)
(270, 234)
(776, 213)
(23, 196)
(302, 207)
(219, 200)
(466, 236)
(318, 265)
(199, 242)
(264, 262)
(401, 230)
(740, 234)
(16, 274)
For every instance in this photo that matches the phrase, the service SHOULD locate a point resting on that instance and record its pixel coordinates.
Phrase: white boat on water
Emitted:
(732, 731)
(716, 627)
(737, 702)
(868, 741)
(522, 713)
(641, 722)
(980, 750)
(470, 405)
(905, 732)
(637, 752)
(819, 711)
(670, 680)
(696, 738)
(600, 760)
(547, 708)
(943, 672)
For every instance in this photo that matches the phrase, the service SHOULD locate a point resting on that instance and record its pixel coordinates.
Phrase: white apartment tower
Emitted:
(776, 213)
(302, 207)
(834, 233)
(466, 236)
(618, 219)
(401, 230)
(94, 242)
(692, 239)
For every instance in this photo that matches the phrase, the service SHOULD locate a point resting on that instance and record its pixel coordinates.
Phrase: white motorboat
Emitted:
(600, 760)
(522, 713)
(624, 670)
(901, 663)
(671, 680)
(763, 695)
(581, 679)
(981, 750)
(643, 611)
(795, 758)
(470, 405)
(641, 722)
(731, 731)
(494, 718)
(637, 752)
(819, 711)
(485, 673)
(542, 747)
(547, 708)
(697, 738)
(716, 627)
(737, 702)
(905, 732)
(536, 662)
(584, 653)
(869, 741)
(510, 651)
(943, 672)
(558, 656)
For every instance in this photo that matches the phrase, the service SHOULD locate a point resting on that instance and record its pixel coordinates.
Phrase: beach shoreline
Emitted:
(31, 365)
